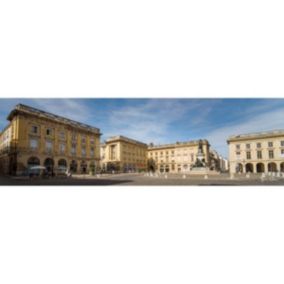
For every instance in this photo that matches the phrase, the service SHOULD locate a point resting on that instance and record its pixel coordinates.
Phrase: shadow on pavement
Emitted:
(62, 182)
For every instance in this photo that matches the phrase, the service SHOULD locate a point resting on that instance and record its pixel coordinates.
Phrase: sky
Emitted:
(165, 120)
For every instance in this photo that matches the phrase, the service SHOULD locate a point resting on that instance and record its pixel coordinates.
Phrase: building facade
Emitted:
(122, 154)
(34, 137)
(177, 157)
(218, 162)
(257, 152)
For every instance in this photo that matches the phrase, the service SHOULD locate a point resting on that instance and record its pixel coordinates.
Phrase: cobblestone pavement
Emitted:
(142, 179)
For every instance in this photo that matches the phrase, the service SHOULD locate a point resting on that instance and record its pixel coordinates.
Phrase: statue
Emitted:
(200, 161)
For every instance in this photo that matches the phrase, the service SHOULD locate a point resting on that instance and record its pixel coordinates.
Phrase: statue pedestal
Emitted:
(202, 171)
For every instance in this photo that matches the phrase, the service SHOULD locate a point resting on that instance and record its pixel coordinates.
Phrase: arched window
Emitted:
(33, 161)
(62, 163)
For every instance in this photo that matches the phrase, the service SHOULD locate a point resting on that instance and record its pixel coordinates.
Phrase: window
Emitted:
(270, 154)
(259, 154)
(282, 151)
(258, 145)
(48, 131)
(73, 149)
(34, 129)
(270, 144)
(83, 151)
(92, 151)
(173, 167)
(248, 146)
(238, 146)
(83, 139)
(238, 154)
(34, 143)
(248, 155)
(62, 135)
(48, 146)
(161, 153)
(92, 140)
(192, 157)
(282, 143)
(62, 148)
(113, 152)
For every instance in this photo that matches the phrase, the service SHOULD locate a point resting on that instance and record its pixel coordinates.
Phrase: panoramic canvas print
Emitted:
(141, 141)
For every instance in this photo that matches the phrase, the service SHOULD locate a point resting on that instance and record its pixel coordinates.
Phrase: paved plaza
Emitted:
(147, 179)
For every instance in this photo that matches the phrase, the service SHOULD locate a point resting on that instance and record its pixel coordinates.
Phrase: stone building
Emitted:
(217, 162)
(122, 154)
(34, 137)
(177, 157)
(257, 152)
(224, 164)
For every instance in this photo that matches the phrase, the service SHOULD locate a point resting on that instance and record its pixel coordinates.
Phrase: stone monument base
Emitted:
(202, 171)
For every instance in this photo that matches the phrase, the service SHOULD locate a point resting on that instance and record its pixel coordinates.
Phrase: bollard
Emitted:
(247, 175)
(166, 176)
(206, 177)
(184, 176)
(278, 174)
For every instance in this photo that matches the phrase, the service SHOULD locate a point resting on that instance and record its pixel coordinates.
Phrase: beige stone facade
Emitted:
(257, 152)
(122, 154)
(34, 137)
(177, 157)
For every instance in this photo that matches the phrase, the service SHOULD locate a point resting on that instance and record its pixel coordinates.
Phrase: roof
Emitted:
(178, 144)
(257, 135)
(20, 108)
(125, 139)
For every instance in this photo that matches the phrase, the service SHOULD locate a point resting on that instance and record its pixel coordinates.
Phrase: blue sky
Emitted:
(165, 120)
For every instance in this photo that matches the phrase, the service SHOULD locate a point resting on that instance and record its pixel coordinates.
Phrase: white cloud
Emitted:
(270, 120)
(151, 121)
(69, 108)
